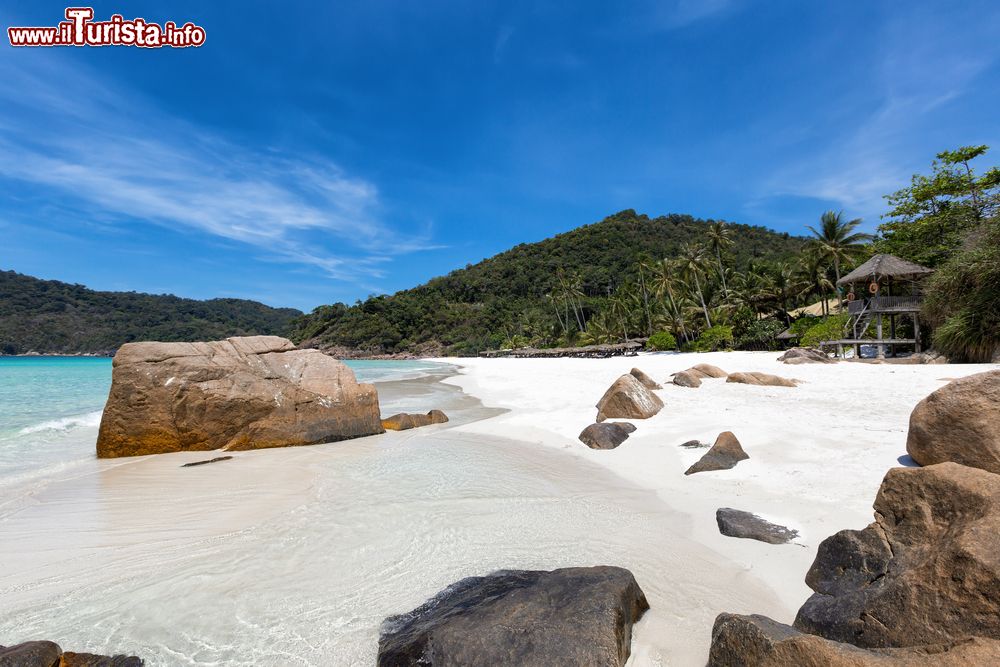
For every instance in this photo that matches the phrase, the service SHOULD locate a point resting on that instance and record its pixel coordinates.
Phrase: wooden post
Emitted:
(916, 332)
(878, 330)
(892, 334)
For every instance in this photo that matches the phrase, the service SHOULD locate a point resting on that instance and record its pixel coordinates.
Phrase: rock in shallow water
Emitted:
(49, 654)
(926, 572)
(724, 454)
(758, 641)
(606, 435)
(627, 398)
(959, 422)
(405, 421)
(737, 523)
(236, 394)
(562, 618)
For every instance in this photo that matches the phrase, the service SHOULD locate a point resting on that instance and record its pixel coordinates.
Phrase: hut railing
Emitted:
(898, 304)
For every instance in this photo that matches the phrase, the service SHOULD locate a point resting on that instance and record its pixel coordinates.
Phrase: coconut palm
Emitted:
(812, 276)
(719, 240)
(837, 241)
(692, 263)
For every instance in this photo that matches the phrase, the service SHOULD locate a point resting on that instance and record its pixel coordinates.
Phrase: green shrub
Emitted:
(829, 328)
(719, 337)
(662, 340)
(760, 334)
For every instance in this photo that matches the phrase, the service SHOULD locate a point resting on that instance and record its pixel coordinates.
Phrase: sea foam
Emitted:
(88, 420)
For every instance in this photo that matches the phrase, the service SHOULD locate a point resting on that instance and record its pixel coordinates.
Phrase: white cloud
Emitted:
(70, 133)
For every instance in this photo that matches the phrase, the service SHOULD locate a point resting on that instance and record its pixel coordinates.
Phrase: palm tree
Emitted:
(837, 241)
(811, 274)
(665, 283)
(692, 262)
(719, 240)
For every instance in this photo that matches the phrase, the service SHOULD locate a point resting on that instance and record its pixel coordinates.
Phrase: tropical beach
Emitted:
(654, 334)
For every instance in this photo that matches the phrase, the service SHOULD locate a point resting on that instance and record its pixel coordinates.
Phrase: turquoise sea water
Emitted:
(50, 408)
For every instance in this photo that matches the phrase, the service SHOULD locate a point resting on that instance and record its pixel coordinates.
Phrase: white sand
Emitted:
(818, 452)
(294, 556)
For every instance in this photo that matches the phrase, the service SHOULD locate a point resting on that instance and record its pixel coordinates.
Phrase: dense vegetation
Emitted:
(950, 220)
(49, 316)
(626, 276)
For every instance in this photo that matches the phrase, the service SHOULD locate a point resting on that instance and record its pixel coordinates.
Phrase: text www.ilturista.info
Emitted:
(81, 30)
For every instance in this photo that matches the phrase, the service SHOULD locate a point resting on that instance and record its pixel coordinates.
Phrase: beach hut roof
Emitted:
(885, 266)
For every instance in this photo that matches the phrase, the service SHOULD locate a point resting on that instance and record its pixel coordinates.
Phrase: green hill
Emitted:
(475, 308)
(53, 317)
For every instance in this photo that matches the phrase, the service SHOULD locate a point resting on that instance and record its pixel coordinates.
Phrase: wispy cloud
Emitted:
(118, 155)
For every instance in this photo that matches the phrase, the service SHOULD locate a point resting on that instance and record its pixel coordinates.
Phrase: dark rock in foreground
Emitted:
(959, 422)
(724, 454)
(926, 572)
(405, 421)
(562, 618)
(737, 523)
(627, 398)
(647, 382)
(49, 654)
(606, 435)
(758, 641)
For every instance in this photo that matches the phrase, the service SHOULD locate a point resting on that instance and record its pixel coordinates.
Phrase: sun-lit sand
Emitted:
(294, 556)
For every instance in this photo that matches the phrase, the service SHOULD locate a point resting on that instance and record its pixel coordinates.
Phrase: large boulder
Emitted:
(737, 523)
(606, 435)
(709, 371)
(234, 394)
(927, 571)
(568, 617)
(627, 398)
(724, 454)
(647, 382)
(405, 421)
(758, 641)
(761, 379)
(959, 422)
(805, 355)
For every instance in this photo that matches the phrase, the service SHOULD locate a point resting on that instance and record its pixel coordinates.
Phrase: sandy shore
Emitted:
(294, 556)
(818, 452)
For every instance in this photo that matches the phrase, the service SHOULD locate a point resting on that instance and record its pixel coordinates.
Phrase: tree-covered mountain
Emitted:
(48, 316)
(525, 293)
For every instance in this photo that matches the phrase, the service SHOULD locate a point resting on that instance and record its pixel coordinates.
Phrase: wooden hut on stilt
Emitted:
(880, 291)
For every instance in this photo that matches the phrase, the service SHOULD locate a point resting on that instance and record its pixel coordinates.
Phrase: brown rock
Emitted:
(606, 435)
(647, 382)
(30, 654)
(737, 523)
(627, 398)
(926, 572)
(405, 421)
(686, 379)
(959, 422)
(568, 617)
(805, 355)
(758, 641)
(724, 454)
(709, 371)
(236, 394)
(765, 379)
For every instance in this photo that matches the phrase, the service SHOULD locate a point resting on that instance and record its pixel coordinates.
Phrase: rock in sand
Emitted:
(686, 379)
(724, 454)
(235, 394)
(627, 398)
(562, 618)
(805, 355)
(737, 523)
(959, 422)
(647, 382)
(761, 379)
(606, 435)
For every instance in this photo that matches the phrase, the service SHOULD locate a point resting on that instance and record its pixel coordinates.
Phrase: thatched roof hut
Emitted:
(885, 266)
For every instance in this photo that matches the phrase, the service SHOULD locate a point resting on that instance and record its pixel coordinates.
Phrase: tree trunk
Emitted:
(722, 274)
(701, 297)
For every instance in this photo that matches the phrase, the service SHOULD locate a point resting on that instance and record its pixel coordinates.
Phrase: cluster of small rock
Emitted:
(921, 584)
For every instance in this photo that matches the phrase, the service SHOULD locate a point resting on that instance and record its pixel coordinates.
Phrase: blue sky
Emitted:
(319, 152)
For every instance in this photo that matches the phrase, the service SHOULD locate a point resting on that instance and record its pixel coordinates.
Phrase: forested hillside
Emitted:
(541, 293)
(49, 316)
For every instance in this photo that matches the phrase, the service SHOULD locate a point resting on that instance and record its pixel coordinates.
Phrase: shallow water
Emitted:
(295, 556)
